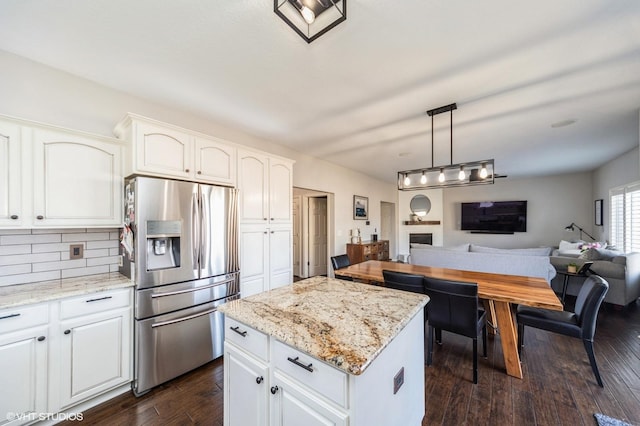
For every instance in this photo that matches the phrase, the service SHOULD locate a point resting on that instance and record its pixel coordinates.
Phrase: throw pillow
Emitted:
(606, 254)
(566, 245)
(590, 254)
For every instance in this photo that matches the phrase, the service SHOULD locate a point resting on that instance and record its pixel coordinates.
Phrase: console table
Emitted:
(368, 250)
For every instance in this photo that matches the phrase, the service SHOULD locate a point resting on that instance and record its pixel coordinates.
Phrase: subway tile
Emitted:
(102, 261)
(47, 248)
(88, 254)
(102, 244)
(79, 272)
(114, 268)
(85, 237)
(29, 278)
(18, 249)
(29, 258)
(114, 235)
(15, 232)
(57, 231)
(60, 265)
(29, 239)
(114, 251)
(102, 229)
(15, 269)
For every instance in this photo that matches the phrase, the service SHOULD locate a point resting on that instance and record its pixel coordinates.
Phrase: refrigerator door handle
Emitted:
(205, 231)
(195, 230)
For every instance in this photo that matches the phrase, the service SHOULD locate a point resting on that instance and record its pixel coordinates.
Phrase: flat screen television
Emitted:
(498, 217)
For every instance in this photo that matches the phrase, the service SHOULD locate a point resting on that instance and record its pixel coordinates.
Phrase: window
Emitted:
(625, 217)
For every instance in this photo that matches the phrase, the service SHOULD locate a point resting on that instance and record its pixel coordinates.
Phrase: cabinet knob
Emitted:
(264, 218)
(41, 338)
(14, 216)
(259, 379)
(274, 390)
(199, 172)
(271, 218)
(67, 331)
(39, 217)
(186, 170)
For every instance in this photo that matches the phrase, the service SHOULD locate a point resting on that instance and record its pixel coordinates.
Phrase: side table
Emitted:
(567, 275)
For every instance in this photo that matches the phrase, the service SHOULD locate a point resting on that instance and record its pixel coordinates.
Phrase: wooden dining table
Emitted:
(502, 289)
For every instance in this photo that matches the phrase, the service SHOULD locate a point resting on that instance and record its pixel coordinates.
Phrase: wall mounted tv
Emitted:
(494, 217)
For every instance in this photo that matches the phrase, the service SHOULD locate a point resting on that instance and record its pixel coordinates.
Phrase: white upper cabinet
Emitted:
(11, 214)
(280, 191)
(77, 180)
(55, 177)
(164, 150)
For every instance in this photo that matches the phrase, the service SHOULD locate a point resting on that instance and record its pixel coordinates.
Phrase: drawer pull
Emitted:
(259, 379)
(39, 217)
(41, 339)
(9, 316)
(67, 332)
(14, 216)
(274, 390)
(186, 170)
(100, 298)
(237, 330)
(299, 364)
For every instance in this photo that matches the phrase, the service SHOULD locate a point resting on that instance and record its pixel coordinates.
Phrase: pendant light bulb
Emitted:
(407, 181)
(441, 176)
(423, 179)
(307, 14)
(483, 171)
(461, 174)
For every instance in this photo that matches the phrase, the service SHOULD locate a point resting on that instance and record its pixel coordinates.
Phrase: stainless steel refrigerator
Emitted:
(179, 245)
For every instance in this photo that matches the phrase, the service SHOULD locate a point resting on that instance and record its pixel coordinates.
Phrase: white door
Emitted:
(254, 259)
(215, 162)
(280, 191)
(317, 236)
(387, 225)
(163, 151)
(253, 176)
(10, 180)
(23, 374)
(297, 237)
(280, 256)
(246, 389)
(95, 355)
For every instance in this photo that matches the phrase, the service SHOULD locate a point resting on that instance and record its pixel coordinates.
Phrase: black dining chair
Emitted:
(580, 324)
(407, 282)
(339, 262)
(454, 307)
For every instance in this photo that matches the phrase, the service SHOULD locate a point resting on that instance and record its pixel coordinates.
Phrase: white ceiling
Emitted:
(357, 96)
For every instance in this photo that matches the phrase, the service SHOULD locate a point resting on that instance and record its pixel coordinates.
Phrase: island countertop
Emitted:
(342, 323)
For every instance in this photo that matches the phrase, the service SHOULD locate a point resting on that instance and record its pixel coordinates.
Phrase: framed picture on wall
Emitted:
(360, 207)
(598, 212)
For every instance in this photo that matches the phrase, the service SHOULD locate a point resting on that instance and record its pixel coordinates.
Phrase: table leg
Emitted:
(565, 283)
(491, 316)
(509, 339)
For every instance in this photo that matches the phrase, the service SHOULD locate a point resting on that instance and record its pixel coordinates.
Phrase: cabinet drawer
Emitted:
(249, 339)
(22, 317)
(94, 303)
(322, 378)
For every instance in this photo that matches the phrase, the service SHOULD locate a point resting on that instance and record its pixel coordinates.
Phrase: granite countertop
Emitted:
(342, 323)
(24, 294)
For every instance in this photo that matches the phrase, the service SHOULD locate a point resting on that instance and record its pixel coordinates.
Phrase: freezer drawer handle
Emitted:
(98, 299)
(237, 330)
(190, 290)
(9, 316)
(190, 317)
(299, 364)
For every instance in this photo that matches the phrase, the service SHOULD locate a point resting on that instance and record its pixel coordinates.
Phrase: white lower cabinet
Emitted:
(248, 392)
(55, 355)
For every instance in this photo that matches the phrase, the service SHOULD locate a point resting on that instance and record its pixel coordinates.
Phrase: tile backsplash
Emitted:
(30, 255)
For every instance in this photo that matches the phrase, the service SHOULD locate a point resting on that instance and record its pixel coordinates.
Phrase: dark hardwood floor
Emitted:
(558, 386)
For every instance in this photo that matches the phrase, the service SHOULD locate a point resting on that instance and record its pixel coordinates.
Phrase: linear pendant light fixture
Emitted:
(311, 18)
(462, 174)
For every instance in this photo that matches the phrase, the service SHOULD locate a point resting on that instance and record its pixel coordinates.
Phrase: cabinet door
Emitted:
(254, 259)
(292, 405)
(95, 352)
(280, 256)
(10, 181)
(280, 191)
(215, 162)
(77, 180)
(163, 151)
(246, 389)
(23, 374)
(253, 182)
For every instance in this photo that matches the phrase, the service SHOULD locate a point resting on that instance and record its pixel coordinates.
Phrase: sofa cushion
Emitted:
(461, 247)
(535, 251)
(607, 269)
(590, 254)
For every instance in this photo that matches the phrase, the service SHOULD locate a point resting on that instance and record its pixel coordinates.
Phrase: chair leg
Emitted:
(588, 345)
(484, 341)
(439, 336)
(475, 360)
(520, 338)
(430, 349)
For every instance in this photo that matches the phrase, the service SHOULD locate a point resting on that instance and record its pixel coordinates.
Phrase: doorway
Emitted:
(311, 232)
(388, 225)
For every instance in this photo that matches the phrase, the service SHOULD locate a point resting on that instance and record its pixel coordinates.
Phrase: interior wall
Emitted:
(36, 92)
(553, 202)
(404, 214)
(617, 172)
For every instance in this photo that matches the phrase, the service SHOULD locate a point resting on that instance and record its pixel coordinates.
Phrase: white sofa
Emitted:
(469, 257)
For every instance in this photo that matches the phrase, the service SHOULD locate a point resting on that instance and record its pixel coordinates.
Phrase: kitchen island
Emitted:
(325, 351)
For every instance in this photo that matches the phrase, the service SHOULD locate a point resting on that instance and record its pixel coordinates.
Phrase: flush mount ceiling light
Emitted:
(311, 18)
(461, 174)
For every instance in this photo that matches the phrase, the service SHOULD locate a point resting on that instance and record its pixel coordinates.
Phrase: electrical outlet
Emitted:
(76, 251)
(398, 381)
(120, 260)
